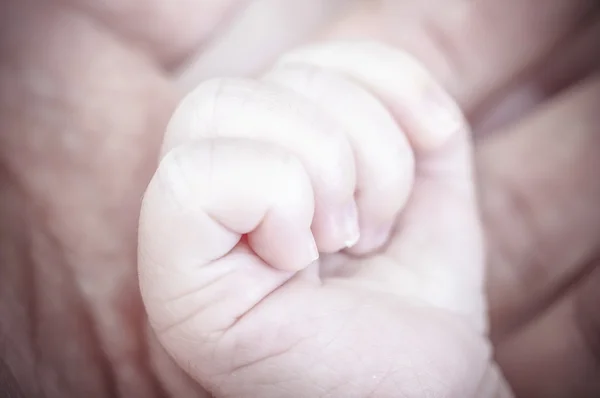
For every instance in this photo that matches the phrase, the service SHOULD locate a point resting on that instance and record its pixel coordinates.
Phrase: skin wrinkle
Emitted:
(19, 320)
(38, 296)
(213, 35)
(32, 291)
(568, 286)
(55, 250)
(553, 38)
(298, 341)
(17, 324)
(587, 313)
(571, 61)
(443, 43)
(3, 279)
(520, 212)
(174, 382)
(575, 59)
(544, 72)
(551, 348)
(486, 12)
(9, 384)
(117, 17)
(539, 271)
(516, 203)
(32, 309)
(130, 304)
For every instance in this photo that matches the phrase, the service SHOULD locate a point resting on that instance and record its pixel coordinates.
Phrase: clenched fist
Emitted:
(315, 233)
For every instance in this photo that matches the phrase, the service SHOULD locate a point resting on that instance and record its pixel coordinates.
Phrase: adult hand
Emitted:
(79, 143)
(85, 93)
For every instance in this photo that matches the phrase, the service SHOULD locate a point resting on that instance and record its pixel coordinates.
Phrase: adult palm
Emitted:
(85, 95)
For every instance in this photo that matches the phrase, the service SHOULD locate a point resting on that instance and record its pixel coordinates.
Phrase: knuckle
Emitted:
(196, 114)
(177, 179)
(171, 175)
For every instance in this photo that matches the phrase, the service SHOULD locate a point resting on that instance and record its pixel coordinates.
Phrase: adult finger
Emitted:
(557, 356)
(254, 37)
(476, 49)
(166, 30)
(210, 32)
(540, 195)
(575, 59)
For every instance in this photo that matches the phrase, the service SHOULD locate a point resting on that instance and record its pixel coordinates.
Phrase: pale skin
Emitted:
(87, 89)
(342, 145)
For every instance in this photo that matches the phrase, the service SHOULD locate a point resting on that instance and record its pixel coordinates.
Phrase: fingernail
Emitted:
(312, 250)
(306, 253)
(438, 115)
(347, 223)
(373, 238)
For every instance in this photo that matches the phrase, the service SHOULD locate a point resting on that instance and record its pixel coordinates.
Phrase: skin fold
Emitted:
(85, 97)
(232, 310)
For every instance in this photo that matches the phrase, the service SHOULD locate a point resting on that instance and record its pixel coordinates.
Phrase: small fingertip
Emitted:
(306, 254)
(350, 242)
(338, 228)
(434, 115)
(372, 238)
(312, 251)
(349, 227)
(293, 253)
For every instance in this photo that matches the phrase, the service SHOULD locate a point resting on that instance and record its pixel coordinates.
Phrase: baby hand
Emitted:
(315, 232)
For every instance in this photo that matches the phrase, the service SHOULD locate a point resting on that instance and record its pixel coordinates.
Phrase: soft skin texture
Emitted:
(86, 90)
(227, 255)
